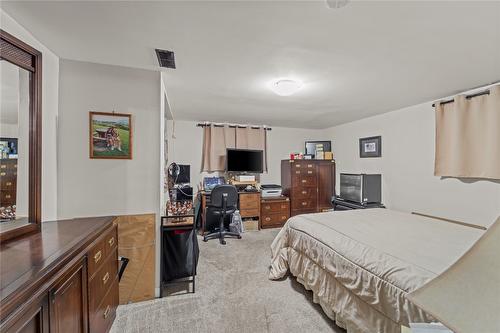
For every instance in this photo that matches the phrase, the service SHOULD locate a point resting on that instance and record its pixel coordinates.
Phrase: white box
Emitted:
(245, 178)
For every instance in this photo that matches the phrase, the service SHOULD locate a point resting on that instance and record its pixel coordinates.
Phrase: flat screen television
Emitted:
(244, 160)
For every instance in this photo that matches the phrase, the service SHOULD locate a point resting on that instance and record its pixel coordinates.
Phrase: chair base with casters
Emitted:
(224, 199)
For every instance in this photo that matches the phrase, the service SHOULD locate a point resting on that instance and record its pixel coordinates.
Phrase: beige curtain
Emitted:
(468, 137)
(253, 138)
(216, 139)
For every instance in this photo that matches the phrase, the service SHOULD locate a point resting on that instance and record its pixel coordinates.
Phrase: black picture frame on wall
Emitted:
(370, 147)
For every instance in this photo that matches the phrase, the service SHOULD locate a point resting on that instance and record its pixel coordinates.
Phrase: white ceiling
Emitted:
(364, 59)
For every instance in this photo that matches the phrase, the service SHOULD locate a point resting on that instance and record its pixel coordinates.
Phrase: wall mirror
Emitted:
(20, 137)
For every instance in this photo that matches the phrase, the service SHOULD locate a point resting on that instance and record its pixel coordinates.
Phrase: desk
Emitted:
(168, 259)
(248, 204)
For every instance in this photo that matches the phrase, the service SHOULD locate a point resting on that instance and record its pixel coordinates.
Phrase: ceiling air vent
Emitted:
(165, 58)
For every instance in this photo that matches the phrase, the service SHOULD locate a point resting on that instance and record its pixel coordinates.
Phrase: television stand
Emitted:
(340, 204)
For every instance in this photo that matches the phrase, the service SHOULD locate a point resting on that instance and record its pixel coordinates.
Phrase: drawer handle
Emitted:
(297, 172)
(2, 173)
(15, 166)
(8, 184)
(268, 219)
(267, 207)
(106, 312)
(304, 181)
(284, 217)
(309, 165)
(283, 206)
(111, 241)
(297, 165)
(304, 203)
(3, 166)
(97, 256)
(105, 278)
(309, 172)
(304, 192)
(7, 196)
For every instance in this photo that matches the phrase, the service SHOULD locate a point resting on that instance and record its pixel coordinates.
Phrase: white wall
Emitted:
(187, 146)
(50, 89)
(93, 187)
(407, 167)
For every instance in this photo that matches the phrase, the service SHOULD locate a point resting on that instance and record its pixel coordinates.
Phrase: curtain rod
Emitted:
(232, 126)
(481, 93)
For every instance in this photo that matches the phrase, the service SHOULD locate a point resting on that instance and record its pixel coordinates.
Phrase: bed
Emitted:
(361, 264)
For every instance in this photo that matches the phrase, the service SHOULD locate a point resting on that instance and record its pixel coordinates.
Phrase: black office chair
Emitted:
(223, 203)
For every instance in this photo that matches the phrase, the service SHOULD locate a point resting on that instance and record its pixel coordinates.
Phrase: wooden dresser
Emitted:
(8, 180)
(310, 184)
(62, 279)
(274, 212)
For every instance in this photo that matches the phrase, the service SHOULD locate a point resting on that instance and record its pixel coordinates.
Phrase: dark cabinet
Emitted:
(33, 319)
(68, 301)
(309, 184)
(74, 278)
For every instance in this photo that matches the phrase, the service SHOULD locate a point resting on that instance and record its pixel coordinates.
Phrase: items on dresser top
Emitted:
(76, 273)
(309, 184)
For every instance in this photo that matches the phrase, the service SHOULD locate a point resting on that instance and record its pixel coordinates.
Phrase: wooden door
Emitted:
(68, 301)
(33, 319)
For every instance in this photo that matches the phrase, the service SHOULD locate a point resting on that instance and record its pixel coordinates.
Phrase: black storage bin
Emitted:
(179, 254)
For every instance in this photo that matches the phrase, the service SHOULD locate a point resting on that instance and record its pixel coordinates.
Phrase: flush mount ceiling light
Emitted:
(285, 87)
(334, 4)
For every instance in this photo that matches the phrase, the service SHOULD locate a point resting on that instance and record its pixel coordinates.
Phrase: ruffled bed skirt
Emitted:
(355, 299)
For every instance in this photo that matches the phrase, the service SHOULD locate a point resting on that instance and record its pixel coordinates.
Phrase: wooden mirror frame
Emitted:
(21, 54)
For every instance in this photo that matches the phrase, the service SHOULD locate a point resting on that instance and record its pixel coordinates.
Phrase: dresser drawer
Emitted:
(110, 242)
(249, 203)
(274, 220)
(250, 212)
(8, 183)
(305, 193)
(102, 280)
(300, 181)
(98, 254)
(274, 207)
(303, 165)
(96, 257)
(101, 318)
(304, 204)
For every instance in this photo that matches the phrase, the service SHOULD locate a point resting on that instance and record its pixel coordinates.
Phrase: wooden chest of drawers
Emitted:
(63, 279)
(274, 212)
(310, 184)
(8, 182)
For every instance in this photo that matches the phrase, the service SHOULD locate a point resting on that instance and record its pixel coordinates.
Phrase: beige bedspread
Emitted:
(360, 264)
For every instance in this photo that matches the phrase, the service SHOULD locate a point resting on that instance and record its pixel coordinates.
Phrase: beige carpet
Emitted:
(233, 294)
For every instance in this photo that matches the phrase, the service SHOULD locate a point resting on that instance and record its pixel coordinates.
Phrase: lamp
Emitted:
(466, 297)
(285, 87)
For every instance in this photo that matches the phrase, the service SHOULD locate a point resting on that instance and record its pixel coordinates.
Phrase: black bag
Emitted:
(178, 254)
